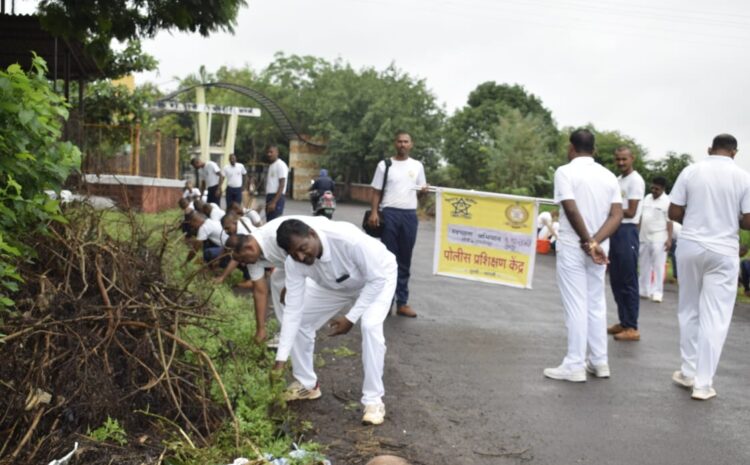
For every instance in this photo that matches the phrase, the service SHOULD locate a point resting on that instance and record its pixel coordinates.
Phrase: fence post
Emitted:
(137, 150)
(176, 158)
(158, 153)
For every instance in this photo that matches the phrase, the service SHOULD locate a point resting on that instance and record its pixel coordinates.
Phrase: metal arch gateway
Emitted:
(279, 116)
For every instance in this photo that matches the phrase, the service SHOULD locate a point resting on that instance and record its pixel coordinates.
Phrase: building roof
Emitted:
(22, 34)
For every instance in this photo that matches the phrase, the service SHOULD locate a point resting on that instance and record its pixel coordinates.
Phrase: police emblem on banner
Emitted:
(461, 207)
(517, 216)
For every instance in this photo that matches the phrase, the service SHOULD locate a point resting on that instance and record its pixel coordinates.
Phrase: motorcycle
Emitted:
(325, 204)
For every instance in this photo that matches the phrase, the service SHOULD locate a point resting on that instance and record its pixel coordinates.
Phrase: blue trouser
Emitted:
(234, 195)
(745, 274)
(212, 251)
(623, 273)
(279, 210)
(212, 194)
(399, 236)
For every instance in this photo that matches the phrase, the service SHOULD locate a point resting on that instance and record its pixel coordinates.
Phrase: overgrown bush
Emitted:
(33, 158)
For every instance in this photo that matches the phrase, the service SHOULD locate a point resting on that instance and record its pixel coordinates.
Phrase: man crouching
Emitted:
(345, 267)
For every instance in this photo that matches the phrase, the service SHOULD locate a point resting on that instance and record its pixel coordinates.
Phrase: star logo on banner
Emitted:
(461, 207)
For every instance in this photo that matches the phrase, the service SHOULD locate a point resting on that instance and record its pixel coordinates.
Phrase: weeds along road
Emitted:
(464, 382)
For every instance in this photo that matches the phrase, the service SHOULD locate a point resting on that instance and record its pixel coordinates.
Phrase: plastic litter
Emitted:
(297, 453)
(67, 457)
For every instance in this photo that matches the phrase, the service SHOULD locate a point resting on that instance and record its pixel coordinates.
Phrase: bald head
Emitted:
(387, 460)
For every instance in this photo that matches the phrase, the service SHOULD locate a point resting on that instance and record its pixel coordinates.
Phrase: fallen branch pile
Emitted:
(97, 334)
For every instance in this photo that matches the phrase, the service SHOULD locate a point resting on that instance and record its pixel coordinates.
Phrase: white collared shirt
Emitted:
(210, 173)
(276, 172)
(632, 188)
(715, 193)
(271, 255)
(404, 178)
(234, 174)
(216, 212)
(351, 261)
(654, 219)
(210, 230)
(594, 189)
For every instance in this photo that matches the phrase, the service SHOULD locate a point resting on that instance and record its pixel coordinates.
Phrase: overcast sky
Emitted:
(672, 73)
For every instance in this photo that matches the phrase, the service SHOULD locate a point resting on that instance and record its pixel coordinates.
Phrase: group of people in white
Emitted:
(312, 268)
(599, 220)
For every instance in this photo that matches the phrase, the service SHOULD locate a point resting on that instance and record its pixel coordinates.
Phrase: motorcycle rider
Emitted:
(320, 186)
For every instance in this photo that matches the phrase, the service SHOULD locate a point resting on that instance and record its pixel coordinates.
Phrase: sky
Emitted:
(671, 74)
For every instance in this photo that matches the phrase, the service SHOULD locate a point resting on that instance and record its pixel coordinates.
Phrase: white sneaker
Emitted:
(703, 393)
(566, 374)
(374, 414)
(273, 343)
(656, 298)
(296, 391)
(599, 371)
(685, 381)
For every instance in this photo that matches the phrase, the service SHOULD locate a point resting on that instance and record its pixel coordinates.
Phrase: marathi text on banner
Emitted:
(485, 237)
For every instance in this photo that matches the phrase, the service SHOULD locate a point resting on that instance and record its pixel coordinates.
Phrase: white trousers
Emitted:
(319, 307)
(651, 259)
(581, 283)
(708, 290)
(278, 281)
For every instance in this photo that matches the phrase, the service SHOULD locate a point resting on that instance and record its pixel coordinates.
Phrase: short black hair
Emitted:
(290, 228)
(583, 140)
(195, 215)
(660, 181)
(231, 242)
(228, 216)
(240, 243)
(401, 132)
(724, 142)
(198, 205)
(183, 203)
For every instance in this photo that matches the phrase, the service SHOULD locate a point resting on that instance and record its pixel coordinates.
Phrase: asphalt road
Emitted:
(464, 381)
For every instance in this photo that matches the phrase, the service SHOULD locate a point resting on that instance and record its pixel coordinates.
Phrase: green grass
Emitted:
(227, 338)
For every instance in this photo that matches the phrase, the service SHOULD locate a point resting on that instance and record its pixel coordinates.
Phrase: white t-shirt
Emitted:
(654, 219)
(715, 193)
(210, 173)
(632, 187)
(277, 171)
(594, 189)
(194, 192)
(216, 212)
(403, 177)
(210, 230)
(234, 174)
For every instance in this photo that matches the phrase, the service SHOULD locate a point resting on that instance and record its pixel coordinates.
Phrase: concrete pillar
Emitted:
(306, 161)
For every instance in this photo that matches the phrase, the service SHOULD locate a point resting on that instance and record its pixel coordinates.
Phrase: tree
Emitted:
(96, 23)
(519, 158)
(474, 133)
(670, 166)
(33, 159)
(356, 112)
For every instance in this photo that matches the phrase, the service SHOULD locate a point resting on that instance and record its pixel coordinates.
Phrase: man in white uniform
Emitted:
(592, 209)
(208, 237)
(711, 199)
(275, 184)
(656, 240)
(623, 250)
(236, 177)
(399, 209)
(259, 250)
(347, 268)
(210, 179)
